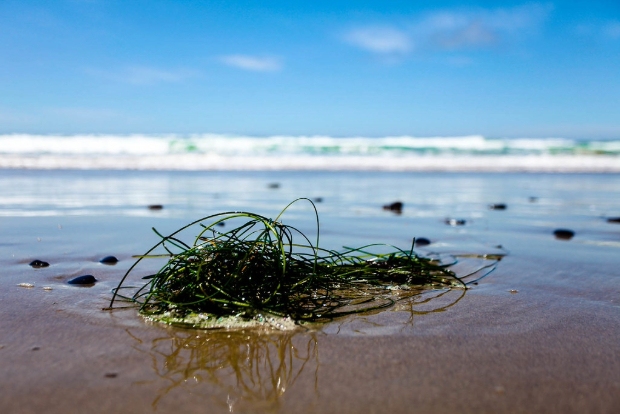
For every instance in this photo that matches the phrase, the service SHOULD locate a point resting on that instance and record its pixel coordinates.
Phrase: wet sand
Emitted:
(539, 334)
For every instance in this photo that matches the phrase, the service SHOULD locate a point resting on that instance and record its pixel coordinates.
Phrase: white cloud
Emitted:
(380, 40)
(253, 63)
(148, 75)
(144, 75)
(521, 18)
(472, 34)
(452, 30)
(479, 28)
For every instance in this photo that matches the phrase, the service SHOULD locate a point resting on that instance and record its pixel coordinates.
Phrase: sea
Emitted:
(221, 152)
(538, 330)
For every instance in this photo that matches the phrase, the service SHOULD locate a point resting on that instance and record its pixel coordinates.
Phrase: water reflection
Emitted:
(251, 370)
(400, 318)
(410, 305)
(235, 369)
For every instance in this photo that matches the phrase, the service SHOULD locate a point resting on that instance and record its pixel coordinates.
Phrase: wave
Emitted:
(224, 152)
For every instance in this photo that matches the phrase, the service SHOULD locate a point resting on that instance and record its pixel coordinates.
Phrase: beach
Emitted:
(540, 333)
(309, 207)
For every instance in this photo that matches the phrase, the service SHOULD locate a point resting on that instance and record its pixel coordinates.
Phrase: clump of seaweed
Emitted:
(265, 267)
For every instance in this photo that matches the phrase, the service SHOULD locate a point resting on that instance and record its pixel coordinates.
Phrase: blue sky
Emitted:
(364, 68)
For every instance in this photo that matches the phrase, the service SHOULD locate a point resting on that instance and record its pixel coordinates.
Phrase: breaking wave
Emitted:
(228, 152)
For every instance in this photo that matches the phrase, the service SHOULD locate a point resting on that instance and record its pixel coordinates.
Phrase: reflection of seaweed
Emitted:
(470, 269)
(416, 304)
(252, 368)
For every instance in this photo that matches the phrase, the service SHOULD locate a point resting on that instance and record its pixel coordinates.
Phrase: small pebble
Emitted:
(533, 199)
(422, 241)
(47, 288)
(37, 264)
(455, 222)
(35, 348)
(109, 260)
(499, 206)
(221, 224)
(613, 220)
(273, 186)
(396, 207)
(26, 285)
(513, 291)
(499, 389)
(155, 207)
(83, 280)
(111, 375)
(563, 234)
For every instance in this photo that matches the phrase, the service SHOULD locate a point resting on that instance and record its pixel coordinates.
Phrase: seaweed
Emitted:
(264, 266)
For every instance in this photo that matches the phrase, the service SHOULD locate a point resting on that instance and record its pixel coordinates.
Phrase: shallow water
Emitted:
(540, 333)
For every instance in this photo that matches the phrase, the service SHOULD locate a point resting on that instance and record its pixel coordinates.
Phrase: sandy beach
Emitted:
(541, 333)
(417, 207)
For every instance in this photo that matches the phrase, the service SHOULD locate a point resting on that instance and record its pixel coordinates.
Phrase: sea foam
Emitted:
(234, 152)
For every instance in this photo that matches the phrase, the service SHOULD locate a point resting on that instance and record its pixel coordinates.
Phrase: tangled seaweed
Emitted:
(266, 267)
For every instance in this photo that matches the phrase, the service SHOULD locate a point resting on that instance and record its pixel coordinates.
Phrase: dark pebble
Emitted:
(36, 348)
(156, 207)
(614, 220)
(422, 241)
(318, 199)
(83, 280)
(500, 206)
(533, 199)
(109, 260)
(455, 222)
(396, 207)
(37, 264)
(221, 224)
(563, 234)
(111, 375)
(273, 185)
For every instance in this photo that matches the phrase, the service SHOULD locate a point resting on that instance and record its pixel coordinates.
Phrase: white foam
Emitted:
(83, 144)
(226, 152)
(201, 162)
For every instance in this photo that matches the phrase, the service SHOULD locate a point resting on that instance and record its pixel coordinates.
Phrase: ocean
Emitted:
(541, 332)
(209, 152)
